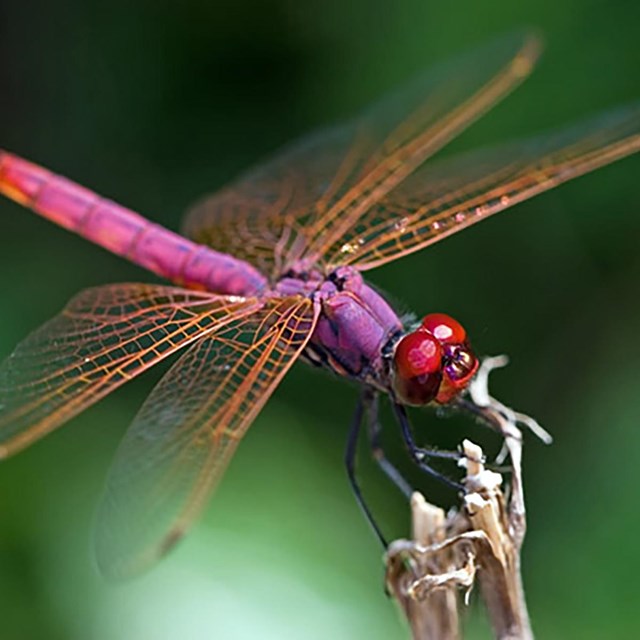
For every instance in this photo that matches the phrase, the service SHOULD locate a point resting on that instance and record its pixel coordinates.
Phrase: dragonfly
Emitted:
(269, 270)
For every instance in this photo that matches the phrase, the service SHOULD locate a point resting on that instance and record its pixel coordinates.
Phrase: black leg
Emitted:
(350, 462)
(419, 454)
(479, 413)
(375, 431)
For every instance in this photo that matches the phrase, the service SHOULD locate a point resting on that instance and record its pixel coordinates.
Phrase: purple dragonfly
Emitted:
(269, 270)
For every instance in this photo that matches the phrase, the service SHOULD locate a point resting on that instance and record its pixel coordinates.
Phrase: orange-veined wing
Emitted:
(187, 430)
(310, 194)
(263, 216)
(102, 338)
(444, 197)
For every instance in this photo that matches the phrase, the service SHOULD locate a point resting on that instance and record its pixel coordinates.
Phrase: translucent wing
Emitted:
(443, 198)
(263, 217)
(309, 195)
(102, 338)
(181, 441)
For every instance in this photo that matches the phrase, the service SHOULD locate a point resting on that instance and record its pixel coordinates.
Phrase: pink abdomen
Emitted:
(125, 232)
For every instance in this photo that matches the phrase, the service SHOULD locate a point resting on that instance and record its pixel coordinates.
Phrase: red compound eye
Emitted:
(444, 328)
(418, 354)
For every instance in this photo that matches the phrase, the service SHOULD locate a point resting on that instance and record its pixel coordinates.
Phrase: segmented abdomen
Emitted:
(123, 231)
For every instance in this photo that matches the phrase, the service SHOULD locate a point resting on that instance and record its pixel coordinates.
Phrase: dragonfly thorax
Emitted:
(354, 323)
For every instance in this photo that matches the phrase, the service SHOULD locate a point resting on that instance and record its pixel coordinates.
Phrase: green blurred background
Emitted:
(155, 104)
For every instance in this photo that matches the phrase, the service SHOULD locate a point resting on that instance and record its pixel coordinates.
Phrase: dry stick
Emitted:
(498, 557)
(434, 613)
(484, 538)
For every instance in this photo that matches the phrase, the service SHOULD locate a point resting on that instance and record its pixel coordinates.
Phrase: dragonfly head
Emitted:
(434, 362)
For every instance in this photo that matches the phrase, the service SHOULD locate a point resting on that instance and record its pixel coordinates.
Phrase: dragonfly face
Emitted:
(433, 363)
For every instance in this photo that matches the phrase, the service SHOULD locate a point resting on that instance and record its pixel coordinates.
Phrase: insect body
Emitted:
(270, 269)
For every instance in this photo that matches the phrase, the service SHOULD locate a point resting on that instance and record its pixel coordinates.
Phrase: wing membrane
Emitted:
(102, 338)
(442, 198)
(181, 441)
(307, 197)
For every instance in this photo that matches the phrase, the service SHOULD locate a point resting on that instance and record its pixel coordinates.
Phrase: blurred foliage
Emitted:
(157, 103)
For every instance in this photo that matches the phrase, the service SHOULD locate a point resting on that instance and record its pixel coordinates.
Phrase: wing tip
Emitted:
(122, 569)
(10, 446)
(117, 571)
(529, 53)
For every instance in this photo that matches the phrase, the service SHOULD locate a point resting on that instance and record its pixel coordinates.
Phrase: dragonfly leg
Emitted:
(350, 463)
(375, 431)
(420, 454)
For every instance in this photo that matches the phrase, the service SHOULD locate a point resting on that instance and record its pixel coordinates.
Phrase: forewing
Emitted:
(181, 441)
(300, 203)
(263, 216)
(102, 338)
(443, 198)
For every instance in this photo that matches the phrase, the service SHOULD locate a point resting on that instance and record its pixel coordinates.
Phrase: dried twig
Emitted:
(481, 540)
(421, 574)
